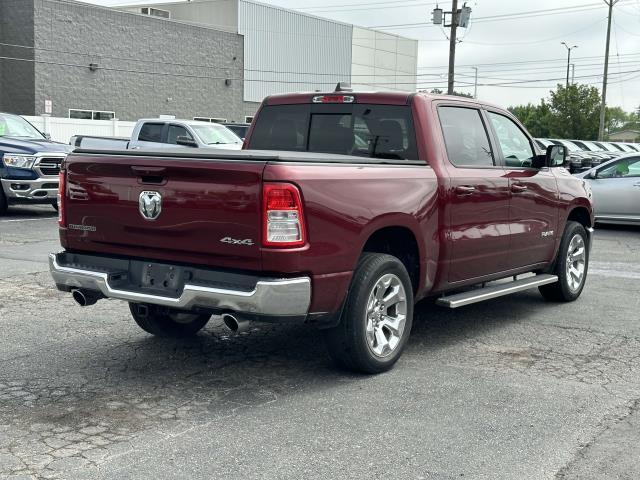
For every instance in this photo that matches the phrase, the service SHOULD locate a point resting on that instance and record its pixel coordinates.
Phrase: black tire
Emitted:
(347, 343)
(562, 290)
(3, 203)
(165, 322)
(55, 205)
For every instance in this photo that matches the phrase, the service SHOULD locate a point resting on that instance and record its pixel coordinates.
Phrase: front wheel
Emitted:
(571, 265)
(165, 322)
(377, 317)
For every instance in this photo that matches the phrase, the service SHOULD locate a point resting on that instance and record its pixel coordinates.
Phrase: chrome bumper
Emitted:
(33, 189)
(288, 296)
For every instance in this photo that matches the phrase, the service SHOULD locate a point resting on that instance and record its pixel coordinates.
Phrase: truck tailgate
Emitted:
(207, 210)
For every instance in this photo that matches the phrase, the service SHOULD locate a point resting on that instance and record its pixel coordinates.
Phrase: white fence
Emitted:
(62, 129)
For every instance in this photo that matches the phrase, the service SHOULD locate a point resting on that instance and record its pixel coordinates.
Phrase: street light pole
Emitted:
(568, 59)
(573, 72)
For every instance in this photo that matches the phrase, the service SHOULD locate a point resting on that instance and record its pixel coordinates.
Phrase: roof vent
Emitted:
(155, 12)
(343, 87)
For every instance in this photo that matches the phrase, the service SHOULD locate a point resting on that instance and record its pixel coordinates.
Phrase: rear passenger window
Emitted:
(465, 137)
(151, 132)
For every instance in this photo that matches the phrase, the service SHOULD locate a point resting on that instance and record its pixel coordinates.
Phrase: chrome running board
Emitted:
(494, 291)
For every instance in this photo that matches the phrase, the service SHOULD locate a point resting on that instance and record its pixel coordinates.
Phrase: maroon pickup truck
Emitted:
(342, 211)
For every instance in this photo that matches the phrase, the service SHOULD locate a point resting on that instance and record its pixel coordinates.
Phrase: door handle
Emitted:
(517, 188)
(465, 189)
(636, 184)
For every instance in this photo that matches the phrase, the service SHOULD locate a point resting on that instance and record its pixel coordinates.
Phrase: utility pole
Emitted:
(603, 105)
(568, 59)
(458, 18)
(475, 83)
(452, 45)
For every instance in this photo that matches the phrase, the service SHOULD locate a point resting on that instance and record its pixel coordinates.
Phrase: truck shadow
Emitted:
(296, 353)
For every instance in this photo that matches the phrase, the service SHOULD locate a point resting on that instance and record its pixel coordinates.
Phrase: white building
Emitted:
(287, 51)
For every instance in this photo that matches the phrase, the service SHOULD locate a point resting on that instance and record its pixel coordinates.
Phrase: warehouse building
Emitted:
(72, 59)
(208, 59)
(289, 51)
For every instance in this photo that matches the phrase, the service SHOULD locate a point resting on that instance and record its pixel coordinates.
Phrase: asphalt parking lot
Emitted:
(514, 388)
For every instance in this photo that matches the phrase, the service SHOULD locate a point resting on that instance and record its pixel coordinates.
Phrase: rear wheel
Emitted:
(377, 317)
(55, 205)
(571, 265)
(165, 322)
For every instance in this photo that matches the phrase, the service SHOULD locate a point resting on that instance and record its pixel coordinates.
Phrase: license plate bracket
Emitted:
(156, 276)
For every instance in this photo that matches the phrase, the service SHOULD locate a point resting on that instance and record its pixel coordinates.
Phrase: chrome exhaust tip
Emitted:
(235, 324)
(84, 298)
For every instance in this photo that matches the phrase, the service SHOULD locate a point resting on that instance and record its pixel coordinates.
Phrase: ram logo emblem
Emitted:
(150, 205)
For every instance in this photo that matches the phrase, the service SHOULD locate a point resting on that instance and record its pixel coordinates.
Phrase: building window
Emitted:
(91, 114)
(210, 119)
(248, 119)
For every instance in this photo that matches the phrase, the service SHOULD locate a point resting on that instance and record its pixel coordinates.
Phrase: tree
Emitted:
(437, 91)
(535, 118)
(575, 112)
(616, 119)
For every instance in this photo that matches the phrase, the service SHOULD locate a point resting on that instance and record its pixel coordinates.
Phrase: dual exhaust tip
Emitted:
(235, 324)
(84, 298)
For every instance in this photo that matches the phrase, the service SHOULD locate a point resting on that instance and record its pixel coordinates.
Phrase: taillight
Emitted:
(283, 216)
(62, 221)
(334, 99)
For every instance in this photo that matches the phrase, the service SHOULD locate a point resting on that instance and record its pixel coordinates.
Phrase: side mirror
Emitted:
(186, 141)
(593, 174)
(556, 156)
(47, 136)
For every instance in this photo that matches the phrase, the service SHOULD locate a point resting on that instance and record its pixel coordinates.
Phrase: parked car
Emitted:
(598, 154)
(158, 133)
(441, 196)
(576, 157)
(29, 164)
(616, 190)
(624, 147)
(240, 129)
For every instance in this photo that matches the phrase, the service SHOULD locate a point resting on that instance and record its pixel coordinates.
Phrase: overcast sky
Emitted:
(496, 39)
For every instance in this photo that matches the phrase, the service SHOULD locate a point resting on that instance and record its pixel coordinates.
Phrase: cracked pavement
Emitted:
(512, 388)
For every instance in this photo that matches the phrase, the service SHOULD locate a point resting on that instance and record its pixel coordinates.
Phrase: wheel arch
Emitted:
(582, 215)
(400, 239)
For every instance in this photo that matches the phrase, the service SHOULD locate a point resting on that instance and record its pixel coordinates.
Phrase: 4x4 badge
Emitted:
(235, 241)
(150, 205)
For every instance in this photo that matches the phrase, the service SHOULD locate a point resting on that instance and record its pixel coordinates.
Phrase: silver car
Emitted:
(616, 190)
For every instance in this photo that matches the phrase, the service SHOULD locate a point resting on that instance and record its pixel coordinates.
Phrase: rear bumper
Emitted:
(270, 297)
(42, 189)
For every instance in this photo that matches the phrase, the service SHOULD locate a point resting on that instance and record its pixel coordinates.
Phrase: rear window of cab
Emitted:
(365, 130)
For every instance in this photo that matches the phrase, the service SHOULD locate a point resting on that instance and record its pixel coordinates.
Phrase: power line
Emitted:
(519, 62)
(506, 16)
(146, 72)
(359, 9)
(370, 4)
